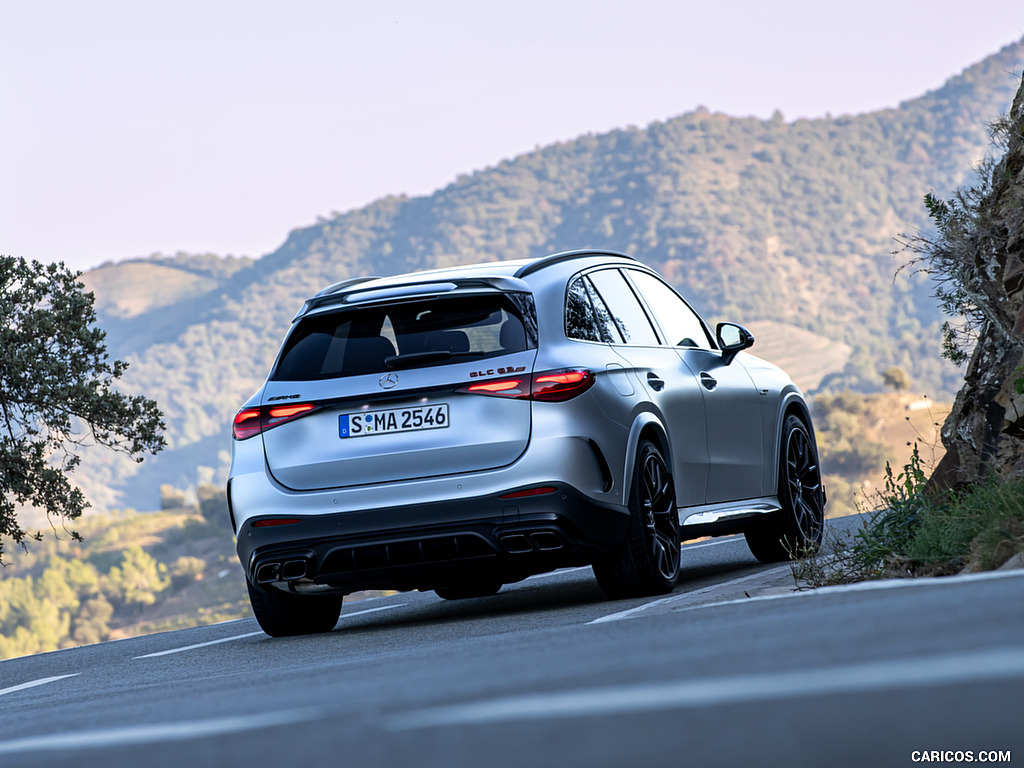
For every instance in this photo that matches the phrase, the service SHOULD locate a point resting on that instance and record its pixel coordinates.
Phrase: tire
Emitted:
(796, 531)
(283, 614)
(466, 591)
(648, 563)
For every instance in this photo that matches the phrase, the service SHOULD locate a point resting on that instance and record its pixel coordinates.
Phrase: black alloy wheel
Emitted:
(797, 531)
(285, 614)
(648, 563)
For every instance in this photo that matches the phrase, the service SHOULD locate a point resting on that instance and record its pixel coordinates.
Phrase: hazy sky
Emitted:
(128, 128)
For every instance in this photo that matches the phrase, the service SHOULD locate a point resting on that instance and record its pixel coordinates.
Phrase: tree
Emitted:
(172, 498)
(140, 579)
(213, 504)
(57, 393)
(897, 379)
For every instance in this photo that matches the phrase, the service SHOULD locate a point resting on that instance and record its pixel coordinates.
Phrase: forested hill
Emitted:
(755, 220)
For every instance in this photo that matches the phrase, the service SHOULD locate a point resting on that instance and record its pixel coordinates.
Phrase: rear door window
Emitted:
(625, 308)
(401, 335)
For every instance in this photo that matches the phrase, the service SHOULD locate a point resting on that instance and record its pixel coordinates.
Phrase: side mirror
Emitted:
(733, 339)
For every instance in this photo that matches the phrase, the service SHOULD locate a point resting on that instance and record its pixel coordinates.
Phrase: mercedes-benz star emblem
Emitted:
(388, 380)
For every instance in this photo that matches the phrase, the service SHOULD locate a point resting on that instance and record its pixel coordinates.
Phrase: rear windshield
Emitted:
(407, 335)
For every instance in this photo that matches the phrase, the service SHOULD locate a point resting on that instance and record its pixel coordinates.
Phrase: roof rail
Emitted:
(555, 258)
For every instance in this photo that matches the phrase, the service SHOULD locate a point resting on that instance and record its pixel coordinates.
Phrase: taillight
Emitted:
(246, 424)
(558, 386)
(505, 387)
(252, 421)
(547, 386)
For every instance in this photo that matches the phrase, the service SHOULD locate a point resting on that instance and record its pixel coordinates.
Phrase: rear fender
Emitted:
(644, 422)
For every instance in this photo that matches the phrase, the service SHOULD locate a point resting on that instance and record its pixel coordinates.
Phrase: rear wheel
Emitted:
(796, 531)
(648, 563)
(466, 591)
(283, 614)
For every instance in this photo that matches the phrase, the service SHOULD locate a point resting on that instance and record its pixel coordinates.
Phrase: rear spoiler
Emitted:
(366, 292)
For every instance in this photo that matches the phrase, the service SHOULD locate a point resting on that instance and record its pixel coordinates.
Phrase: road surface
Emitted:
(731, 669)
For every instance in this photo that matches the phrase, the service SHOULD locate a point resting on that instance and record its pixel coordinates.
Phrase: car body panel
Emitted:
(481, 432)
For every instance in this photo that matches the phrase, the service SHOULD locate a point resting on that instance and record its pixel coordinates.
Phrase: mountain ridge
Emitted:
(754, 220)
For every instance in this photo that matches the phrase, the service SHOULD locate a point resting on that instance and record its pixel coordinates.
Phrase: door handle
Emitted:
(708, 381)
(654, 382)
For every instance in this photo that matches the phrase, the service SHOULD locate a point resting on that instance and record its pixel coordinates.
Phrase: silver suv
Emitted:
(465, 428)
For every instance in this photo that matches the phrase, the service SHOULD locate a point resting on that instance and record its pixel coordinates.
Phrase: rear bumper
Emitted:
(424, 546)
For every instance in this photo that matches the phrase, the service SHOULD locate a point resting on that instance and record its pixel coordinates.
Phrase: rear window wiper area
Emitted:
(413, 359)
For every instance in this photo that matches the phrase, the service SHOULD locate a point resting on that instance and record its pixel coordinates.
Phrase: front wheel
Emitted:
(648, 563)
(797, 530)
(283, 614)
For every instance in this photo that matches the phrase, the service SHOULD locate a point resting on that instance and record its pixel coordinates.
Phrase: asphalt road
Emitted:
(732, 669)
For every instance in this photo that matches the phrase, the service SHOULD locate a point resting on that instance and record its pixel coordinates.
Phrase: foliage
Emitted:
(172, 498)
(911, 533)
(849, 447)
(896, 378)
(139, 579)
(213, 504)
(57, 393)
(889, 530)
(62, 592)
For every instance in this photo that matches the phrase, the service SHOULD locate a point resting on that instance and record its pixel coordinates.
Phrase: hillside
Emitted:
(786, 226)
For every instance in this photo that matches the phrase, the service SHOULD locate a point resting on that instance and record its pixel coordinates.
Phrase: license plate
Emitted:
(414, 419)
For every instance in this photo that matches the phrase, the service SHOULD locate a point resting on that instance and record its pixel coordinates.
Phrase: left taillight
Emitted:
(250, 422)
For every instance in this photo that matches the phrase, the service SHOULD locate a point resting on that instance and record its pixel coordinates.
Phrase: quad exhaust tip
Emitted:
(289, 570)
(539, 541)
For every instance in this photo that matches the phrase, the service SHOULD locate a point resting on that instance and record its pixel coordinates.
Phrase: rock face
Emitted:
(984, 432)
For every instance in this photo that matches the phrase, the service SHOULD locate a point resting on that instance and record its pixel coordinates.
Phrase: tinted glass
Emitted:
(680, 323)
(605, 323)
(405, 335)
(629, 316)
(580, 318)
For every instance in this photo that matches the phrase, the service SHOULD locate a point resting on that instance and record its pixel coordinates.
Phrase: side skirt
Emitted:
(726, 518)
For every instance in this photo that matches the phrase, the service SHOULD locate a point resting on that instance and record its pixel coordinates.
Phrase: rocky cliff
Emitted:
(980, 250)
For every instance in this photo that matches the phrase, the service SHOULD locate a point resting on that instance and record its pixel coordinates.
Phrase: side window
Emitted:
(605, 323)
(677, 320)
(580, 318)
(624, 306)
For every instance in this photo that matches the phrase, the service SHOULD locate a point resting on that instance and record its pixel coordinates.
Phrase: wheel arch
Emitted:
(646, 426)
(791, 404)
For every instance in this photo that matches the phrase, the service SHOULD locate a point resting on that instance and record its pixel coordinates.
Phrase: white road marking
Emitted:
(976, 666)
(199, 645)
(372, 610)
(250, 634)
(34, 683)
(686, 595)
(869, 586)
(154, 732)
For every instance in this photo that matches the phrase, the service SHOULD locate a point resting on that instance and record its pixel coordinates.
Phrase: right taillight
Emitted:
(557, 386)
(547, 386)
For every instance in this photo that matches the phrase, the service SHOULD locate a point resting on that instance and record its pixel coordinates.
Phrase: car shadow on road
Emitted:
(576, 592)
